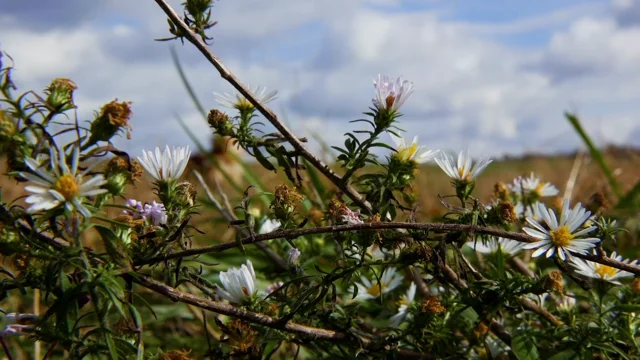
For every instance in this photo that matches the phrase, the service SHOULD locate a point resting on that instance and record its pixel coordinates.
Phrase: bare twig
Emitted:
(293, 233)
(265, 111)
(303, 331)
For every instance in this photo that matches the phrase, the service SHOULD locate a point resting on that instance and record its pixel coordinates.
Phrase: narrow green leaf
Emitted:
(595, 153)
(263, 160)
(565, 355)
(187, 85)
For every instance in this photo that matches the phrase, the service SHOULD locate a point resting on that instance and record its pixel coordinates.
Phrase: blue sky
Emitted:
(491, 76)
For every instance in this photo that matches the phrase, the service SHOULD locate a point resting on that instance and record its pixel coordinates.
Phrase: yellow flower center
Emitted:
(605, 272)
(375, 290)
(245, 291)
(244, 105)
(68, 186)
(561, 237)
(403, 301)
(464, 176)
(407, 153)
(538, 189)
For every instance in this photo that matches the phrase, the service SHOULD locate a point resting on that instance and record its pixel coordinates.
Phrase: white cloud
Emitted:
(471, 89)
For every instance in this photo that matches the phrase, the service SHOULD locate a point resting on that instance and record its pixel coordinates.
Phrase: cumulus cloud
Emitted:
(473, 90)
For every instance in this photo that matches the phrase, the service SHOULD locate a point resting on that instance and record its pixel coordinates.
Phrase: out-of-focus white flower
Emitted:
(155, 213)
(376, 252)
(13, 318)
(239, 102)
(168, 165)
(599, 271)
(269, 225)
(491, 245)
(350, 217)
(413, 152)
(390, 95)
(404, 302)
(370, 290)
(273, 287)
(533, 184)
(238, 285)
(17, 330)
(293, 257)
(561, 236)
(532, 211)
(567, 302)
(62, 184)
(464, 169)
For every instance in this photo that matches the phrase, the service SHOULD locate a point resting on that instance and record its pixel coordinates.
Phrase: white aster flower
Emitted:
(376, 252)
(493, 244)
(464, 169)
(370, 290)
(166, 166)
(238, 285)
(413, 152)
(269, 225)
(239, 102)
(532, 211)
(561, 236)
(391, 95)
(293, 257)
(599, 271)
(62, 184)
(404, 302)
(533, 184)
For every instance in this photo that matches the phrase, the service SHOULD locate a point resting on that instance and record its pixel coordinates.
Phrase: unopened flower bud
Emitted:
(60, 94)
(8, 127)
(293, 258)
(220, 122)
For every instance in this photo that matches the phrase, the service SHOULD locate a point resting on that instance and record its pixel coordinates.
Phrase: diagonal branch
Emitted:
(303, 331)
(265, 111)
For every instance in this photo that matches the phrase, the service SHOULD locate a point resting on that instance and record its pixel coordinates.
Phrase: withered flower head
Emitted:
(553, 281)
(113, 116)
(635, 285)
(316, 215)
(121, 171)
(243, 338)
(416, 253)
(431, 305)
(598, 201)
(285, 201)
(501, 191)
(507, 212)
(480, 330)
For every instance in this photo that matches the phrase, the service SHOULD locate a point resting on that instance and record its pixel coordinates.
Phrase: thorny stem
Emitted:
(303, 331)
(265, 111)
(293, 233)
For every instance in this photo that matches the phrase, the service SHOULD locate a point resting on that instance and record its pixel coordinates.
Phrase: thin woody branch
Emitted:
(265, 111)
(438, 227)
(306, 332)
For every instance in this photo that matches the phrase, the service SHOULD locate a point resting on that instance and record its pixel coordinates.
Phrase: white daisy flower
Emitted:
(599, 271)
(391, 95)
(412, 152)
(567, 302)
(238, 285)
(493, 244)
(369, 290)
(404, 303)
(269, 225)
(376, 252)
(273, 287)
(464, 169)
(62, 184)
(166, 166)
(561, 236)
(239, 102)
(529, 211)
(293, 257)
(533, 184)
